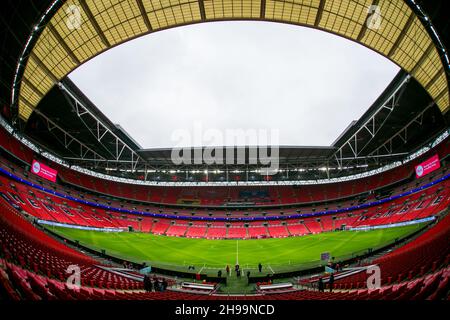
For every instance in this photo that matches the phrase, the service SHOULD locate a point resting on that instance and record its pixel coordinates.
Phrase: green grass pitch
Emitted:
(277, 255)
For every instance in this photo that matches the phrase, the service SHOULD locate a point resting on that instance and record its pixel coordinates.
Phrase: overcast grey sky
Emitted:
(306, 83)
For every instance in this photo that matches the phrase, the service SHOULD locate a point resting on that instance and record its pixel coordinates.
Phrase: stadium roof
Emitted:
(60, 110)
(75, 31)
(286, 153)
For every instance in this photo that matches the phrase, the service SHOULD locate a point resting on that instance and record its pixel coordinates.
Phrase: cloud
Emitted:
(305, 83)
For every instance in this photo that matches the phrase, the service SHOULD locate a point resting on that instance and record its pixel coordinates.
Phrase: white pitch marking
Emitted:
(237, 251)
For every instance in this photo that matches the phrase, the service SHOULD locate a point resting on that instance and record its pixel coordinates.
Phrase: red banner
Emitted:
(428, 166)
(44, 171)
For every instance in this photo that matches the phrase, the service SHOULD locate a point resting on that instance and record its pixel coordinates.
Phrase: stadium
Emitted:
(86, 213)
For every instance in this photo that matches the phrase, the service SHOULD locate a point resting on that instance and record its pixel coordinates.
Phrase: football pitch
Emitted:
(276, 255)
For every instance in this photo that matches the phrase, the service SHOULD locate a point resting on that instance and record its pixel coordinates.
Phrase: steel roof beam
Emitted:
(94, 23)
(262, 13)
(63, 43)
(319, 13)
(402, 35)
(403, 132)
(44, 68)
(353, 143)
(144, 15)
(101, 130)
(68, 138)
(201, 6)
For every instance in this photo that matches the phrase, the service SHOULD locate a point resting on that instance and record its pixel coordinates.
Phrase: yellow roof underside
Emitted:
(106, 23)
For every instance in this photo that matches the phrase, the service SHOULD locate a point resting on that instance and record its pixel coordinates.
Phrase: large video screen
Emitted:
(428, 166)
(43, 171)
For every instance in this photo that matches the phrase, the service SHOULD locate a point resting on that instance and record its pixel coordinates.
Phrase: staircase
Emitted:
(237, 285)
(306, 227)
(267, 231)
(287, 230)
(321, 225)
(187, 229)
